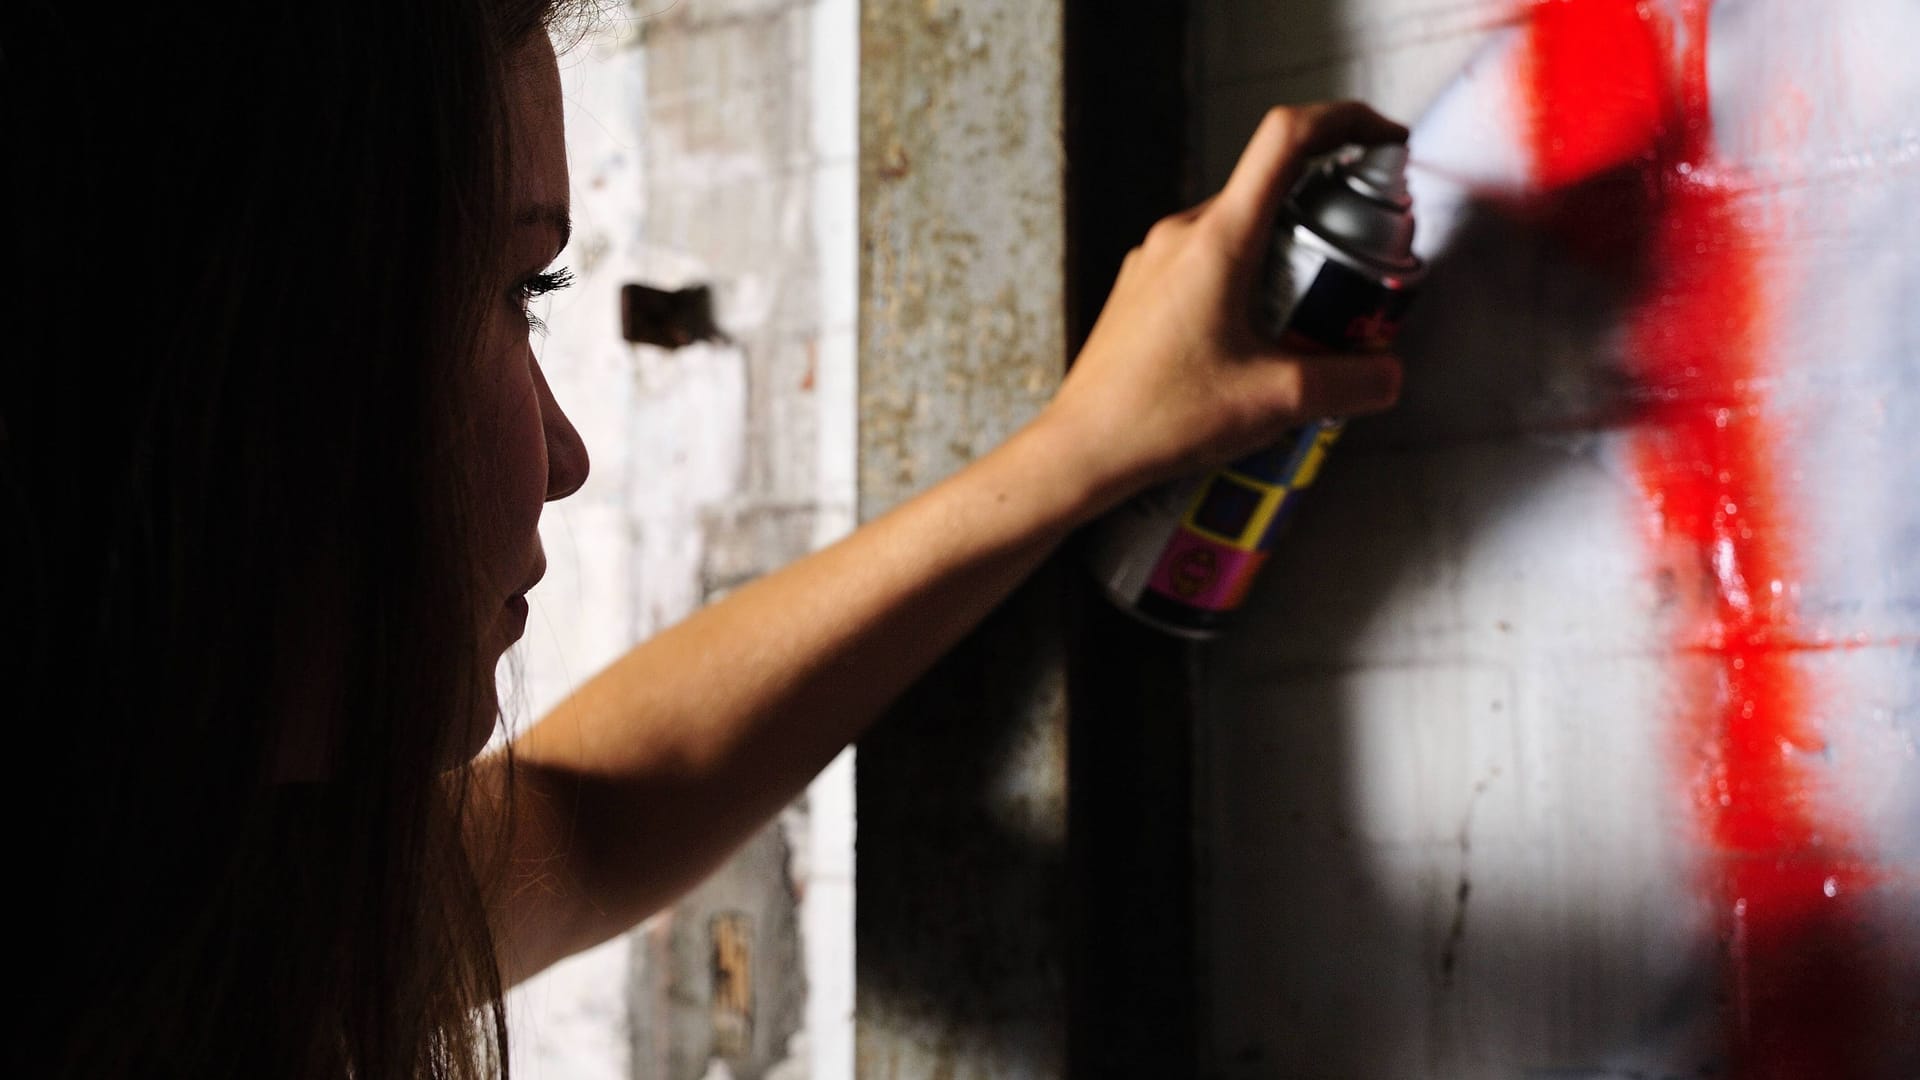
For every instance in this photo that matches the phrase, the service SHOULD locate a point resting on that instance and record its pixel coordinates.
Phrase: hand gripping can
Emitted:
(1339, 277)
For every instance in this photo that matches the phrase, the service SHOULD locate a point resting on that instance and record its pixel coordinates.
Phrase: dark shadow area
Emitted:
(1132, 954)
(965, 882)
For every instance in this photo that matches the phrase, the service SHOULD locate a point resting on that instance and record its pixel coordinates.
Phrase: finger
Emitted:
(1277, 153)
(1307, 387)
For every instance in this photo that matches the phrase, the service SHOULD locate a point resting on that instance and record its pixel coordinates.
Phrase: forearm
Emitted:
(657, 768)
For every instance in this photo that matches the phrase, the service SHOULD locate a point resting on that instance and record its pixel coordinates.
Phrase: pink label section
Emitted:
(1204, 573)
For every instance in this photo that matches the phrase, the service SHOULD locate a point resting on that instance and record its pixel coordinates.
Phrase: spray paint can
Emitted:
(1340, 275)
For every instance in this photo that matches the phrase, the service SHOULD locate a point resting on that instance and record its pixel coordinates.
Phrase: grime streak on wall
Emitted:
(1622, 146)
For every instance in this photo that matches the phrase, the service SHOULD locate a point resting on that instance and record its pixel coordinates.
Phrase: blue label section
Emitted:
(1300, 445)
(1280, 463)
(1274, 464)
(1228, 506)
(1288, 504)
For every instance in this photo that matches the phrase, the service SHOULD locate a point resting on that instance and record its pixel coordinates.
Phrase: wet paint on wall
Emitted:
(1620, 137)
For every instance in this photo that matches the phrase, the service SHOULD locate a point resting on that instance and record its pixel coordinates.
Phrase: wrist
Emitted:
(1072, 455)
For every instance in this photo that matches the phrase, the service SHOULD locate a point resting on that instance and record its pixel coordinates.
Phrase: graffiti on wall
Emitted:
(1722, 167)
(1599, 755)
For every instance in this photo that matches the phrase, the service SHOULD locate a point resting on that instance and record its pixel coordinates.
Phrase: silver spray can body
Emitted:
(1339, 277)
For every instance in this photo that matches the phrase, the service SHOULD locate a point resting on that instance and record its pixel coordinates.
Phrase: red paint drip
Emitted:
(1621, 147)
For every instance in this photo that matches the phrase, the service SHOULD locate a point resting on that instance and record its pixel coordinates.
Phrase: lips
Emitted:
(516, 619)
(539, 571)
(516, 606)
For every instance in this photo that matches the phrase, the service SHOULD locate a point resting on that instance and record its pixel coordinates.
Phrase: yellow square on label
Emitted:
(1244, 527)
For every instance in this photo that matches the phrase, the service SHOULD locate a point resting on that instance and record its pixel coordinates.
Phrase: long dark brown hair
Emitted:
(251, 248)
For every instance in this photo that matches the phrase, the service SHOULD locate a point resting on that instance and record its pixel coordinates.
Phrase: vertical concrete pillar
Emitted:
(961, 791)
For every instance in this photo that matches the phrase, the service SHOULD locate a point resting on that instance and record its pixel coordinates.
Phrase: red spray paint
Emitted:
(1619, 109)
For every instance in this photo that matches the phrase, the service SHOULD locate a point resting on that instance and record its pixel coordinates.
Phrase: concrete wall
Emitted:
(711, 142)
(1573, 732)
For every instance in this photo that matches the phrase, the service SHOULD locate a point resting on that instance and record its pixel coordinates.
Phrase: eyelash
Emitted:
(539, 285)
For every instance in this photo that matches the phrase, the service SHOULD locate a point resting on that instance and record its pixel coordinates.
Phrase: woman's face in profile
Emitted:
(527, 451)
(530, 453)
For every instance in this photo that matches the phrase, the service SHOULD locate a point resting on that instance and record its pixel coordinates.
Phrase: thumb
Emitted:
(1331, 384)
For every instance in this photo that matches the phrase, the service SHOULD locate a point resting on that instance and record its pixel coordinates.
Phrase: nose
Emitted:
(567, 463)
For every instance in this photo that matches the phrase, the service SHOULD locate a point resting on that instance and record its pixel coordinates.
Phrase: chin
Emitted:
(463, 748)
(505, 633)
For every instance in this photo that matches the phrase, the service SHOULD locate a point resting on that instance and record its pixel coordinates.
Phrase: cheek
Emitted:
(512, 470)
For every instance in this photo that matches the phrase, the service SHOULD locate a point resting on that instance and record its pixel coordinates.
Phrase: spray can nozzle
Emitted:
(1382, 171)
(1357, 200)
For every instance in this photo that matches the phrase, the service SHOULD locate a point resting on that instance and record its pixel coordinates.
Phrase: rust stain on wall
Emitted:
(962, 234)
(962, 789)
(732, 935)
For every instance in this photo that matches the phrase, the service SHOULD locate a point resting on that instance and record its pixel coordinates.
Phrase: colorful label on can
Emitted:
(1347, 311)
(1204, 572)
(1210, 561)
(1188, 554)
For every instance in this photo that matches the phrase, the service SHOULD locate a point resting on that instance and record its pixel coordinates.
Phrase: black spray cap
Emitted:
(1357, 199)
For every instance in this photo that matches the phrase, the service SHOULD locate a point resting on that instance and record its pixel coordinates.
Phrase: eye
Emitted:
(538, 285)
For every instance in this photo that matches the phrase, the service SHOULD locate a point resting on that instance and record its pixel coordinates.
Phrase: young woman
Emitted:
(273, 448)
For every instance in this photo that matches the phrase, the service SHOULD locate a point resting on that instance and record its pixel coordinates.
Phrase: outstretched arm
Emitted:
(642, 781)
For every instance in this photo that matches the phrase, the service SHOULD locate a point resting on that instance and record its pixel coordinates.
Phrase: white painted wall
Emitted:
(1447, 810)
(675, 440)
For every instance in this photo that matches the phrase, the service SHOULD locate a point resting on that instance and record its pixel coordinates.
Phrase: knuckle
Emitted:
(1287, 390)
(1215, 234)
(1293, 390)
(1163, 232)
(1323, 113)
(1316, 116)
(1282, 119)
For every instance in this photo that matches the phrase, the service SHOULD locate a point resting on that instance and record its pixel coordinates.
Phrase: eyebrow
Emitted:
(552, 214)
